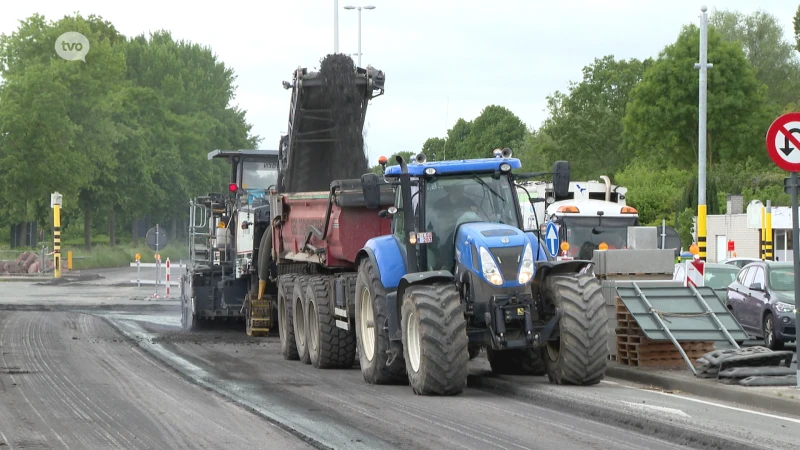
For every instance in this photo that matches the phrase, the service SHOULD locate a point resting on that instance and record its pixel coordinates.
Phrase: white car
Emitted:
(739, 262)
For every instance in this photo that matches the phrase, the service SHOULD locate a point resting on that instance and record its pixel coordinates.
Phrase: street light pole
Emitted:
(703, 66)
(335, 26)
(359, 8)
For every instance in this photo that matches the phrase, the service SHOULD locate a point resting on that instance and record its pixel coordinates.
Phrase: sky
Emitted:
(443, 59)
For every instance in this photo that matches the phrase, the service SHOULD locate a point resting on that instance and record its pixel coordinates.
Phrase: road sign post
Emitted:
(157, 239)
(783, 147)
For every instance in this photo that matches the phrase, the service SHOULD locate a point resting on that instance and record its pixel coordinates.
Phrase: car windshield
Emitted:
(781, 278)
(259, 174)
(585, 234)
(720, 277)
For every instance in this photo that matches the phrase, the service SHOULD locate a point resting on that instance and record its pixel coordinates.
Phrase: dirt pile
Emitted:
(26, 263)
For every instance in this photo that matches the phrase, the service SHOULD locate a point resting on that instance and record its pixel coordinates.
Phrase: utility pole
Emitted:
(335, 26)
(703, 66)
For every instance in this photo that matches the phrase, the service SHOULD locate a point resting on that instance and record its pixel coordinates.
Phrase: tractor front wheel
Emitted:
(580, 355)
(435, 342)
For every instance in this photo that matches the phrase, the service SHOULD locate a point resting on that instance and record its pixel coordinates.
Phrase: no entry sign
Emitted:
(783, 146)
(783, 142)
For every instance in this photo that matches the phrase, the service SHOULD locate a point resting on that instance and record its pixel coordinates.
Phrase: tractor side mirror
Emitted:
(372, 192)
(388, 213)
(561, 178)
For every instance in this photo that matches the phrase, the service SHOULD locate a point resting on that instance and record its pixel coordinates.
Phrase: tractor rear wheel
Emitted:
(580, 355)
(286, 318)
(527, 361)
(299, 306)
(435, 342)
(371, 334)
(328, 346)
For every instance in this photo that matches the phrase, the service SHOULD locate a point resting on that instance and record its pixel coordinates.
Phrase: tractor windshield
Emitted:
(453, 200)
(585, 234)
(259, 174)
(470, 198)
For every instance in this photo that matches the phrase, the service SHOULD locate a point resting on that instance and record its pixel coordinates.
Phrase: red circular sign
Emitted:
(783, 142)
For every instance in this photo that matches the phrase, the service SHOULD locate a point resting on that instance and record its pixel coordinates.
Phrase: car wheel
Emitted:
(770, 339)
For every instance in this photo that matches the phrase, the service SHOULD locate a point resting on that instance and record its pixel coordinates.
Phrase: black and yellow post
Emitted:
(763, 235)
(768, 255)
(55, 201)
(701, 232)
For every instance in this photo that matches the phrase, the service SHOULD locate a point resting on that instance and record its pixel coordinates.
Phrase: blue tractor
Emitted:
(458, 273)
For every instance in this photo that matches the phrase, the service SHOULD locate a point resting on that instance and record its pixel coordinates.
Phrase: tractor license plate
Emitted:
(425, 238)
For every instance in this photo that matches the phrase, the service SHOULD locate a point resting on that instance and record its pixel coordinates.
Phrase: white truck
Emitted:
(592, 212)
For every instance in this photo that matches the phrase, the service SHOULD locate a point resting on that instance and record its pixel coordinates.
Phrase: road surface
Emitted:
(127, 378)
(70, 381)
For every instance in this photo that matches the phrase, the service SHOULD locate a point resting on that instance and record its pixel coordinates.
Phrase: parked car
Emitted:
(739, 262)
(762, 300)
(717, 276)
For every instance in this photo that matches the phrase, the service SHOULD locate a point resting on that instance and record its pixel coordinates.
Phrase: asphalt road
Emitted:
(114, 378)
(71, 381)
(336, 408)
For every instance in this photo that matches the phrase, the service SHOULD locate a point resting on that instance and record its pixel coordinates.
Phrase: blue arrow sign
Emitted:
(551, 239)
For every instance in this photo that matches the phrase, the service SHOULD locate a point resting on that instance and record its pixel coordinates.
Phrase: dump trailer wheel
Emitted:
(435, 342)
(371, 335)
(286, 318)
(580, 355)
(299, 315)
(527, 361)
(327, 344)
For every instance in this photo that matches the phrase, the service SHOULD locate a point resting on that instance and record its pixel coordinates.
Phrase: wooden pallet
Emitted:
(635, 349)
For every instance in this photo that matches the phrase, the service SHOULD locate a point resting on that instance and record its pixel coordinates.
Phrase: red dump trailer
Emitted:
(317, 237)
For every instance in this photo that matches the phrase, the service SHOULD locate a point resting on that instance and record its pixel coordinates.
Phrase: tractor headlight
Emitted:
(526, 269)
(489, 268)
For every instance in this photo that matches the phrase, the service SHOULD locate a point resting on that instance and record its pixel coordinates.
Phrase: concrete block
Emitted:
(609, 262)
(642, 238)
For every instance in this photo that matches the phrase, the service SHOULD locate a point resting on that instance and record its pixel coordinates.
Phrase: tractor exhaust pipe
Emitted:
(608, 187)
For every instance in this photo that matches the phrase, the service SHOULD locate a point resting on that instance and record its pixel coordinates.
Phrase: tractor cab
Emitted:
(462, 212)
(253, 173)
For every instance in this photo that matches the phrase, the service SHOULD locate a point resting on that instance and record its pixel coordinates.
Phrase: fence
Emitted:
(167, 281)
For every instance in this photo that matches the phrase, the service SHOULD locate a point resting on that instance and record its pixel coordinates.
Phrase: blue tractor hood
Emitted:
(490, 235)
(505, 243)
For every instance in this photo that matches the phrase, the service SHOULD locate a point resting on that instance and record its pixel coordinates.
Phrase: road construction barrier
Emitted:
(167, 281)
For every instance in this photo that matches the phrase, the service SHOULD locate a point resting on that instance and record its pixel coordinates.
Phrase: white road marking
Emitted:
(677, 412)
(705, 402)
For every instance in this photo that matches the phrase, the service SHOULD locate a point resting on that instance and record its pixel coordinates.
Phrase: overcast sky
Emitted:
(443, 59)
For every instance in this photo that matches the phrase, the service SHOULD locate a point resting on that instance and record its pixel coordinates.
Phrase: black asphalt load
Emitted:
(707, 388)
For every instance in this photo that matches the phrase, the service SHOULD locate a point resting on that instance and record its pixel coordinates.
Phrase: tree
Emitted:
(661, 119)
(56, 114)
(653, 189)
(585, 124)
(495, 127)
(761, 37)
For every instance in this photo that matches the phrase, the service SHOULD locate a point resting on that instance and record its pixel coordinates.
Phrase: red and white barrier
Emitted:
(695, 273)
(167, 277)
